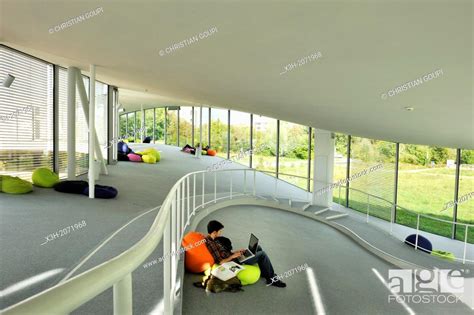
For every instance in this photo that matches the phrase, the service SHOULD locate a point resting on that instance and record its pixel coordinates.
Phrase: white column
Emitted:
(142, 127)
(92, 132)
(85, 107)
(71, 123)
(323, 167)
(199, 149)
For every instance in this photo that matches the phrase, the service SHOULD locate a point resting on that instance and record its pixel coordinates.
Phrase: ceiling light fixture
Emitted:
(409, 108)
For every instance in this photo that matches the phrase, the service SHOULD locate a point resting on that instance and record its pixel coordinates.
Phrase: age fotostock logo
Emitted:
(426, 286)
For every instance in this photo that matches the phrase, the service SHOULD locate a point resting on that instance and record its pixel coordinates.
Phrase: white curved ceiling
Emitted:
(368, 48)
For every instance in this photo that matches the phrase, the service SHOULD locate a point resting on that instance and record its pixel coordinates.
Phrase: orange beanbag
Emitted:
(211, 152)
(198, 258)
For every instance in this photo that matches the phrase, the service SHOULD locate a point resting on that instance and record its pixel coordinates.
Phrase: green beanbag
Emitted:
(154, 152)
(44, 177)
(15, 185)
(249, 275)
(148, 158)
(443, 254)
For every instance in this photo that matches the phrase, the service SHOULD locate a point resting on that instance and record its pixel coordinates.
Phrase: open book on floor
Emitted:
(227, 270)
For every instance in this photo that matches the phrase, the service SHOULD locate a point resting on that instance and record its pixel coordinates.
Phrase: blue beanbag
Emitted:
(102, 192)
(423, 243)
(71, 186)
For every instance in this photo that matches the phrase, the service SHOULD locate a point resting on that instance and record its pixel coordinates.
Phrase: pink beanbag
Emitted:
(134, 157)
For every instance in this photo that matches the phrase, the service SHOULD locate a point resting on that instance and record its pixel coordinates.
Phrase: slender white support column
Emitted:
(194, 193)
(199, 148)
(323, 167)
(71, 123)
(203, 188)
(91, 133)
(172, 258)
(167, 266)
(85, 108)
(143, 130)
(123, 302)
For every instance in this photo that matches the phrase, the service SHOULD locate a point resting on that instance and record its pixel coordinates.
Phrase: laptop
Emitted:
(251, 250)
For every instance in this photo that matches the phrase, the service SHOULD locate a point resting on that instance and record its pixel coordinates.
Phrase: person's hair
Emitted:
(214, 226)
(225, 242)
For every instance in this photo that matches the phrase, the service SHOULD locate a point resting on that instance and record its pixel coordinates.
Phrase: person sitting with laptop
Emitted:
(253, 255)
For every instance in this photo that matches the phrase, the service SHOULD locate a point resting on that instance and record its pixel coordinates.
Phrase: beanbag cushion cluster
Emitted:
(44, 177)
(14, 185)
(205, 151)
(423, 243)
(198, 258)
(249, 275)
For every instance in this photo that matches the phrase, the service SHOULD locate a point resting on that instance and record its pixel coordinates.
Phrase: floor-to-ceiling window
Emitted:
(264, 144)
(205, 126)
(240, 137)
(26, 114)
(340, 168)
(159, 125)
(426, 181)
(294, 154)
(123, 126)
(131, 127)
(465, 202)
(148, 132)
(219, 124)
(172, 126)
(185, 126)
(372, 171)
(138, 126)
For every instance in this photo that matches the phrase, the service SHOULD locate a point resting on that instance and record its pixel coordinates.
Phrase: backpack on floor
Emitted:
(216, 285)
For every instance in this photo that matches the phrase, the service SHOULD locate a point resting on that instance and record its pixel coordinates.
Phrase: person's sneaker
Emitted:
(277, 283)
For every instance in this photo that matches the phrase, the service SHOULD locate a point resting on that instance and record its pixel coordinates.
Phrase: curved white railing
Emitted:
(171, 221)
(418, 216)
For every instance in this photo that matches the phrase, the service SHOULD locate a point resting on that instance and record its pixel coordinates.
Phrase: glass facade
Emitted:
(240, 137)
(294, 154)
(172, 127)
(185, 126)
(219, 127)
(372, 171)
(264, 144)
(159, 125)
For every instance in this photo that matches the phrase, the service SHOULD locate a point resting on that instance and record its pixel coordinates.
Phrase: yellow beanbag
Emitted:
(150, 159)
(249, 275)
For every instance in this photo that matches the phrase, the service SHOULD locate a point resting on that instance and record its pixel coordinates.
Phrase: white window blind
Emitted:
(26, 115)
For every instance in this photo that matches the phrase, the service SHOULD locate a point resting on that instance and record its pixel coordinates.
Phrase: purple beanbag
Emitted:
(102, 192)
(134, 157)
